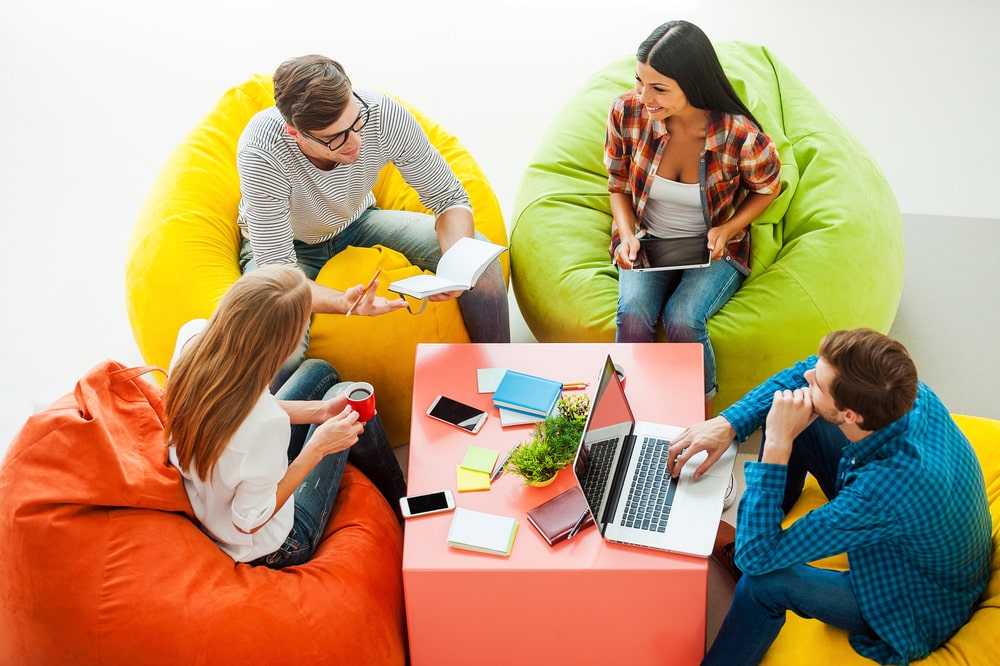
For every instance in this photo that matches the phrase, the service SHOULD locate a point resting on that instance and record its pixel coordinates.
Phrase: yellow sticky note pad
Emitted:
(468, 479)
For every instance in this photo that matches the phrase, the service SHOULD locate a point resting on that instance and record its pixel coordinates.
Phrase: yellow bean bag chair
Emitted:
(976, 643)
(183, 256)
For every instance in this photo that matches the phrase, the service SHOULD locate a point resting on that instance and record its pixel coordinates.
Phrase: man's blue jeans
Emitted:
(683, 300)
(317, 380)
(484, 308)
(759, 602)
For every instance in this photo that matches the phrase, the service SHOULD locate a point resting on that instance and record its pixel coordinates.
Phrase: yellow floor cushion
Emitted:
(977, 643)
(183, 256)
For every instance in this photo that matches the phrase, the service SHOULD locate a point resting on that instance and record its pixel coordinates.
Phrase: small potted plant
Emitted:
(552, 445)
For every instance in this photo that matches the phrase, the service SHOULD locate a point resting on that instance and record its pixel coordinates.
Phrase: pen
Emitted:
(575, 386)
(499, 470)
(579, 523)
(363, 293)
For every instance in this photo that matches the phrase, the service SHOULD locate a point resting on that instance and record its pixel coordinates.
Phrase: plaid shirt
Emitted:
(910, 512)
(738, 157)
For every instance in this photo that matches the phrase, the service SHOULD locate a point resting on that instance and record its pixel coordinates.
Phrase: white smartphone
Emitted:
(458, 414)
(420, 505)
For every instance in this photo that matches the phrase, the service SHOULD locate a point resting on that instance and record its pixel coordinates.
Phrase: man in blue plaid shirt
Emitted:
(907, 503)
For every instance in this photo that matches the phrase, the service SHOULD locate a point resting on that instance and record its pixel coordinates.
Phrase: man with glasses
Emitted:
(307, 167)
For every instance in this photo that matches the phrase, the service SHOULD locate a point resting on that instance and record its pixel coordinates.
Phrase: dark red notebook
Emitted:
(555, 518)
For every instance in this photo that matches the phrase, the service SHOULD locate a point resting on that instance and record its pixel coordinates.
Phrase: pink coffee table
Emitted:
(583, 601)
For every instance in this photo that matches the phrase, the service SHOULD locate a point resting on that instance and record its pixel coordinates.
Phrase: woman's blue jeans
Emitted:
(317, 380)
(683, 300)
(759, 602)
(484, 308)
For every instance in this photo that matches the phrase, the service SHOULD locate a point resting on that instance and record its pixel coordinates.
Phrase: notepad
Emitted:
(488, 379)
(509, 417)
(480, 459)
(555, 518)
(470, 479)
(526, 393)
(482, 532)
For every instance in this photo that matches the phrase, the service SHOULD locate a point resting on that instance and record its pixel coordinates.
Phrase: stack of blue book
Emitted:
(528, 394)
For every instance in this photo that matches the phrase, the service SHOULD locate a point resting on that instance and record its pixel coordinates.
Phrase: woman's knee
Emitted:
(318, 366)
(316, 372)
(684, 326)
(635, 327)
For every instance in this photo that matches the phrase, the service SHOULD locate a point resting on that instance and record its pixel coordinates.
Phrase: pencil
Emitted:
(363, 293)
(499, 470)
(575, 386)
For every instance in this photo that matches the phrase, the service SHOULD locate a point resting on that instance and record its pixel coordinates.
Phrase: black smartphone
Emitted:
(458, 414)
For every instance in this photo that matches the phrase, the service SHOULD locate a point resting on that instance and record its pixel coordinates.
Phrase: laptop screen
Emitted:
(603, 443)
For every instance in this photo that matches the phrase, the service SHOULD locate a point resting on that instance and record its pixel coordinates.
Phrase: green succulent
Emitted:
(553, 443)
(574, 408)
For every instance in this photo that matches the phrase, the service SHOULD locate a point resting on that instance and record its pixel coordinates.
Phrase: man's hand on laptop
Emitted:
(713, 436)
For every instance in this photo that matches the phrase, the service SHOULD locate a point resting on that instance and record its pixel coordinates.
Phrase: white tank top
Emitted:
(673, 209)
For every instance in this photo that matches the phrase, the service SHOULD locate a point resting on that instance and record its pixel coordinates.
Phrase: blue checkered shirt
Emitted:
(910, 512)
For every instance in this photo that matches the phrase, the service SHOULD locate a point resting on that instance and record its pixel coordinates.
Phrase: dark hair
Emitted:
(311, 91)
(681, 51)
(875, 375)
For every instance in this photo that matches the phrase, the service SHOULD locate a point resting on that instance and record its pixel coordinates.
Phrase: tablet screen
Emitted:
(672, 253)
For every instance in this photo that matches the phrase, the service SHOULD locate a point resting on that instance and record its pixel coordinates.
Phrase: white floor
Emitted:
(949, 314)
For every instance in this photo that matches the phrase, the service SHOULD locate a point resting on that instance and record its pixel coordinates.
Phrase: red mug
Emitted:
(361, 398)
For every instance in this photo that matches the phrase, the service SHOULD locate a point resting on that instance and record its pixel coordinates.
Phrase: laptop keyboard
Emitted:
(601, 455)
(648, 504)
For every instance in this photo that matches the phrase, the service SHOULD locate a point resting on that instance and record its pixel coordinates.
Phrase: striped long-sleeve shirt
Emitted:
(910, 512)
(284, 196)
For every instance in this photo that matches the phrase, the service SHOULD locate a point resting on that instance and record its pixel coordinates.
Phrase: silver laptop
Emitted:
(621, 467)
(670, 254)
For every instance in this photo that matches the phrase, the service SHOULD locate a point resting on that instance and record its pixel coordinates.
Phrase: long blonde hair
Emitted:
(222, 373)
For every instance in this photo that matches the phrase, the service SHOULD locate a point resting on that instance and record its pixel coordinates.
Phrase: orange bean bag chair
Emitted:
(104, 564)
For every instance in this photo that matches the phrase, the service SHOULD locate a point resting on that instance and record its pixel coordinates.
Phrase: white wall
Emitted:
(97, 94)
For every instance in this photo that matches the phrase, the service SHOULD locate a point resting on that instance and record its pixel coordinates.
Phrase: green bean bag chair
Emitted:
(826, 255)
(184, 255)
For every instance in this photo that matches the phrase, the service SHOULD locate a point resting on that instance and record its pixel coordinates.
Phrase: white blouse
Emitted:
(244, 484)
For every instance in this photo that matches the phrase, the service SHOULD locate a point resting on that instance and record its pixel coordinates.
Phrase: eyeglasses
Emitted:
(340, 138)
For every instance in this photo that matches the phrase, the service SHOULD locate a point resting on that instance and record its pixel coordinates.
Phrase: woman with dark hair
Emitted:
(685, 158)
(261, 470)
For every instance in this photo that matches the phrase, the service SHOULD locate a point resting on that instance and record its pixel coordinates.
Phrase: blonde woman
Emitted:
(262, 470)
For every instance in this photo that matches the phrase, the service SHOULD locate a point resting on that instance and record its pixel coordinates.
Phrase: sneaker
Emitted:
(724, 551)
(730, 493)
